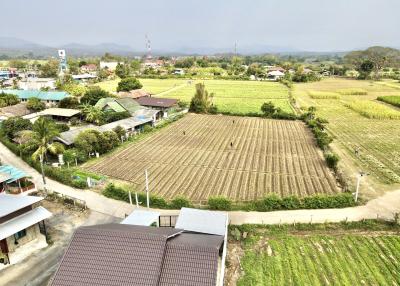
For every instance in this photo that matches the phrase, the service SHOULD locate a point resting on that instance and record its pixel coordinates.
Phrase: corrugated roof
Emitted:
(19, 109)
(141, 217)
(119, 104)
(12, 203)
(23, 221)
(156, 101)
(202, 221)
(64, 112)
(13, 172)
(42, 95)
(118, 254)
(4, 177)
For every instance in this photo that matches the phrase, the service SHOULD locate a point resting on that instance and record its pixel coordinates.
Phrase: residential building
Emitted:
(22, 227)
(136, 93)
(111, 66)
(275, 75)
(15, 181)
(57, 114)
(164, 105)
(89, 68)
(179, 71)
(19, 109)
(35, 83)
(50, 98)
(134, 253)
(84, 77)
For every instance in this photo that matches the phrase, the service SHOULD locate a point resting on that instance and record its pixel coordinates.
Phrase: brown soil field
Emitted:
(242, 158)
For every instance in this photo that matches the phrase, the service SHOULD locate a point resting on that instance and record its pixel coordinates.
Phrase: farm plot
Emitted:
(239, 97)
(323, 260)
(238, 157)
(377, 139)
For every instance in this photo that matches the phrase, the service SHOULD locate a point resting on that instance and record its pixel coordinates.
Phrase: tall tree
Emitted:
(201, 101)
(92, 114)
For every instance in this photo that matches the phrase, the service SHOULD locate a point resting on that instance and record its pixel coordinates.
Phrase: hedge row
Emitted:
(269, 203)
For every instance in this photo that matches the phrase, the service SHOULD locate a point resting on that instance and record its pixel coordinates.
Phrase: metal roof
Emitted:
(119, 104)
(141, 217)
(64, 112)
(4, 177)
(13, 172)
(12, 203)
(156, 101)
(42, 95)
(23, 221)
(203, 221)
(120, 254)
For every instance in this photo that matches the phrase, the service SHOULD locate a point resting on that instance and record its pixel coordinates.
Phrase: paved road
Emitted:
(384, 207)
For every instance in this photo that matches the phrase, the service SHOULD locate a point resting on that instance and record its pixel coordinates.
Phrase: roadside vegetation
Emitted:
(391, 99)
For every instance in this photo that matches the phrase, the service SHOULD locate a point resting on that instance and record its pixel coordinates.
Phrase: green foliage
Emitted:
(332, 160)
(270, 111)
(35, 104)
(128, 84)
(269, 203)
(93, 94)
(92, 114)
(352, 91)
(373, 110)
(219, 203)
(69, 102)
(111, 116)
(73, 89)
(108, 141)
(10, 127)
(291, 203)
(62, 127)
(268, 108)
(49, 69)
(7, 99)
(201, 101)
(324, 202)
(120, 131)
(391, 99)
(180, 202)
(90, 141)
(122, 70)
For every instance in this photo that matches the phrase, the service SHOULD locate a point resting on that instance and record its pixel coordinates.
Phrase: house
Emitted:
(22, 227)
(275, 75)
(50, 98)
(136, 93)
(179, 71)
(111, 66)
(84, 77)
(15, 181)
(133, 253)
(35, 83)
(57, 114)
(18, 109)
(155, 64)
(164, 105)
(132, 125)
(275, 68)
(89, 68)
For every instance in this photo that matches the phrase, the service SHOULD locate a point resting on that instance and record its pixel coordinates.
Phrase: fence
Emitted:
(68, 200)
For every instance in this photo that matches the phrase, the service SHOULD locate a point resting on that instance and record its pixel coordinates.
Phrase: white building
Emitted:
(275, 75)
(111, 66)
(36, 83)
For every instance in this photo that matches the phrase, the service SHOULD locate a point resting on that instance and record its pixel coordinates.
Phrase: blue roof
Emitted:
(42, 95)
(13, 172)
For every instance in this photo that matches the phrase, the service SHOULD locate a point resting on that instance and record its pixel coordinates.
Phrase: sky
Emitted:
(306, 25)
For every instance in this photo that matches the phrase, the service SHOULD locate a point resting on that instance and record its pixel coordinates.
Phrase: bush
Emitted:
(128, 84)
(62, 127)
(332, 160)
(10, 127)
(180, 202)
(269, 203)
(219, 203)
(35, 104)
(93, 94)
(325, 202)
(113, 192)
(291, 203)
(69, 102)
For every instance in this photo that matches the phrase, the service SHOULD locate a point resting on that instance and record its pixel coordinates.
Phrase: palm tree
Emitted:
(92, 113)
(43, 132)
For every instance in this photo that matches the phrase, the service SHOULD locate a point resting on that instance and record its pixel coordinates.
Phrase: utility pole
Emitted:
(147, 189)
(42, 169)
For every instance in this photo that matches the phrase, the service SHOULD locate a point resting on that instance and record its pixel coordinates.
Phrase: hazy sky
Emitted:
(313, 25)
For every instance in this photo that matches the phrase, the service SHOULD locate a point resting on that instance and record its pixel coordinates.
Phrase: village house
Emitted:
(135, 252)
(84, 77)
(15, 181)
(50, 98)
(164, 105)
(111, 66)
(89, 68)
(22, 227)
(275, 75)
(136, 93)
(57, 114)
(36, 83)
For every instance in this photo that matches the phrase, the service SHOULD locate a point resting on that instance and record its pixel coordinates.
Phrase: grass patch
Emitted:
(373, 110)
(352, 91)
(391, 99)
(323, 94)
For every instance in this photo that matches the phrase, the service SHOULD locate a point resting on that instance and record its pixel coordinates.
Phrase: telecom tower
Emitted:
(62, 67)
(148, 48)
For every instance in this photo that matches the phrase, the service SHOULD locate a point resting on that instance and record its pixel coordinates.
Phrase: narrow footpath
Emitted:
(382, 207)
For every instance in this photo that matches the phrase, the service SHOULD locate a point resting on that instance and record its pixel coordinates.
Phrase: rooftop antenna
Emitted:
(148, 47)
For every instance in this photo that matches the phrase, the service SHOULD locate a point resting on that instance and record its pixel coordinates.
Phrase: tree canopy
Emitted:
(128, 84)
(202, 101)
(93, 94)
(35, 104)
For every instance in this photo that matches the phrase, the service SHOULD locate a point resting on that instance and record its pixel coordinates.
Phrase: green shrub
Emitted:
(269, 203)
(118, 193)
(291, 203)
(180, 202)
(324, 202)
(219, 203)
(332, 160)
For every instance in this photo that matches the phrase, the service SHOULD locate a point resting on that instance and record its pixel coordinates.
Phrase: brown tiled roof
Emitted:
(19, 109)
(120, 254)
(156, 101)
(191, 260)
